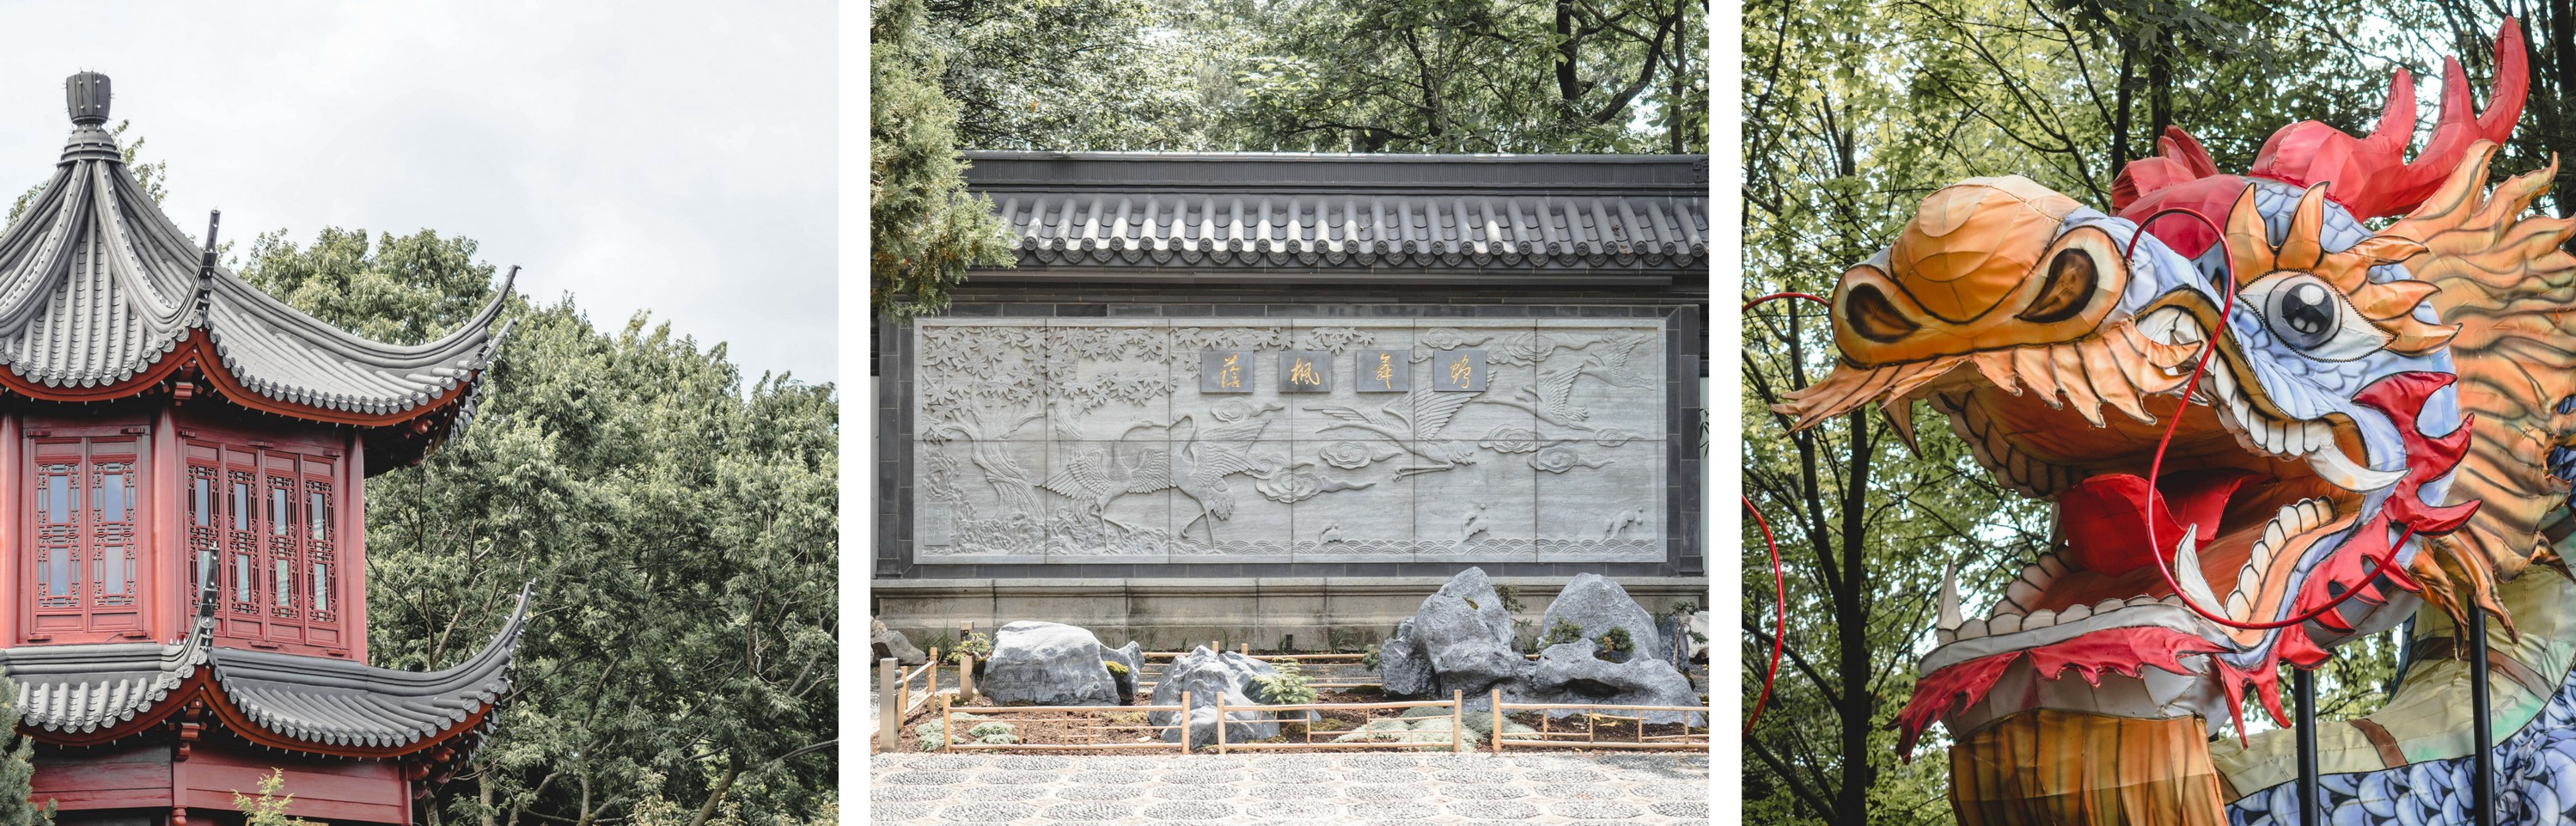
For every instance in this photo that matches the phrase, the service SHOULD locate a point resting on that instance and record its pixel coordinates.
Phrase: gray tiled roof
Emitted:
(341, 703)
(1565, 214)
(78, 689)
(97, 285)
(88, 687)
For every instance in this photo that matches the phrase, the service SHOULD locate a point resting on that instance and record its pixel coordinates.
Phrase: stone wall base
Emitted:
(1343, 613)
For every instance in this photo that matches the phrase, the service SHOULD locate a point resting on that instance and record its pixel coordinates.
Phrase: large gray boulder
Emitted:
(886, 642)
(1461, 636)
(1569, 673)
(1596, 604)
(1048, 664)
(1208, 675)
(1401, 668)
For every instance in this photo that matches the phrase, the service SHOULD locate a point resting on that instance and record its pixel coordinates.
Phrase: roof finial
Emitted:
(86, 95)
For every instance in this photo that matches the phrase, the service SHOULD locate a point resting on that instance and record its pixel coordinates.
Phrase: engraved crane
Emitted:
(1198, 470)
(1412, 423)
(1103, 475)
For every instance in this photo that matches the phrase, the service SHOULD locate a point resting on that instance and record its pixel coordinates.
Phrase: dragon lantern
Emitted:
(2344, 428)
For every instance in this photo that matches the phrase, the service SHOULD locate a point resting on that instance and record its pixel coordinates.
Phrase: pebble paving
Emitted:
(1551, 789)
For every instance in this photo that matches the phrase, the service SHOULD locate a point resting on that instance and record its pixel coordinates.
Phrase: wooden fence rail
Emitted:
(951, 736)
(1685, 741)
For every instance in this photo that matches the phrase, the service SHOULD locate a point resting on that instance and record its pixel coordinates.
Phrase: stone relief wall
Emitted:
(1277, 440)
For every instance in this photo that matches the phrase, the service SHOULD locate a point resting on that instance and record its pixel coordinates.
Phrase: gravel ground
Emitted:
(1626, 789)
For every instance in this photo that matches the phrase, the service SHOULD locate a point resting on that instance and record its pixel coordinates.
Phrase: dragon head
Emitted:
(2366, 396)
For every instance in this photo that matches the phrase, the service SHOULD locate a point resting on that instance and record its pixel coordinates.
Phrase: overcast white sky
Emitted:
(671, 157)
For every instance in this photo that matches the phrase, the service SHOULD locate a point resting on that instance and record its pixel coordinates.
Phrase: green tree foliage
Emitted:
(1103, 74)
(1328, 75)
(18, 768)
(924, 229)
(1854, 110)
(268, 808)
(677, 523)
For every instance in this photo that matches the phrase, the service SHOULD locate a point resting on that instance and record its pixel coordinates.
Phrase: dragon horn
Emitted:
(2370, 176)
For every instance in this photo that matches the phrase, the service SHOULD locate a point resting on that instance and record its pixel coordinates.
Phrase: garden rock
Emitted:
(1208, 675)
(1133, 658)
(886, 642)
(1046, 663)
(1461, 636)
(1596, 604)
(1568, 673)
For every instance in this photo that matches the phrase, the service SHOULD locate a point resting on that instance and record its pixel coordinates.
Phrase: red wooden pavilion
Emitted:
(182, 494)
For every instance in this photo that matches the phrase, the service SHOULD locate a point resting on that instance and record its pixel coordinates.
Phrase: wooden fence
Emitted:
(1548, 737)
(954, 740)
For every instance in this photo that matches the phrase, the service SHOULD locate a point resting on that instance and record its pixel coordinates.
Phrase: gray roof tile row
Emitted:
(85, 688)
(1145, 209)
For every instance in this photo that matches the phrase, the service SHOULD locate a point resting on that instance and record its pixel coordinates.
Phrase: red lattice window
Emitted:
(267, 533)
(85, 508)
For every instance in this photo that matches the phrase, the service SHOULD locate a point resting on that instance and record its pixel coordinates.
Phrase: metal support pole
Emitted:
(2306, 689)
(2481, 763)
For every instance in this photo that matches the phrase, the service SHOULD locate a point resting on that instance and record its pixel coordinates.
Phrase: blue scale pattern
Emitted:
(2535, 783)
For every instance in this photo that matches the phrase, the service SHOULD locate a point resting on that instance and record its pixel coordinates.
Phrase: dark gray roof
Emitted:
(1603, 216)
(341, 703)
(97, 285)
(78, 689)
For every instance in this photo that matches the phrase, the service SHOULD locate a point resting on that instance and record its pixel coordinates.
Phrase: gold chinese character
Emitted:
(1303, 373)
(1385, 370)
(1231, 376)
(1461, 370)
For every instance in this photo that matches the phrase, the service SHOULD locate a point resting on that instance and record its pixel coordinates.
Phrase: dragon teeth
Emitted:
(2071, 614)
(1969, 630)
(2002, 625)
(2339, 470)
(2187, 569)
(1949, 598)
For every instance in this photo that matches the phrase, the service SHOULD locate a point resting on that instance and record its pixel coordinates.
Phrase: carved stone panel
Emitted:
(1124, 441)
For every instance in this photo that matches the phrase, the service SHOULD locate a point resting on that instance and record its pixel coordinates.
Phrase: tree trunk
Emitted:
(716, 793)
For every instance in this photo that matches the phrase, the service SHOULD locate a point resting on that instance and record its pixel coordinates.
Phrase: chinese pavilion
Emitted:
(185, 461)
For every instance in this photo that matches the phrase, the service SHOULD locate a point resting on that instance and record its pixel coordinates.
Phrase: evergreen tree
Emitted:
(18, 768)
(923, 227)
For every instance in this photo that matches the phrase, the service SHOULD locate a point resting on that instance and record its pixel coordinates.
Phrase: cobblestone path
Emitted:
(1624, 789)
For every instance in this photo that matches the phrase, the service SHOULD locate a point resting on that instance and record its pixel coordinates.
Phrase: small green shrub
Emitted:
(1511, 595)
(975, 643)
(1617, 639)
(1290, 688)
(994, 733)
(1368, 658)
(1564, 631)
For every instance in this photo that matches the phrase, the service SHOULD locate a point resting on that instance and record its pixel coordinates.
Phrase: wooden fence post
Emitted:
(1457, 720)
(947, 725)
(933, 665)
(1496, 708)
(1220, 724)
(1184, 721)
(890, 717)
(965, 677)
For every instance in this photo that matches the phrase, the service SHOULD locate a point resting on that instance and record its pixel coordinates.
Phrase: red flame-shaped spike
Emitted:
(2370, 176)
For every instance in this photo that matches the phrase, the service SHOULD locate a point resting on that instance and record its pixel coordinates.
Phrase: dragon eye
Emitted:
(2306, 313)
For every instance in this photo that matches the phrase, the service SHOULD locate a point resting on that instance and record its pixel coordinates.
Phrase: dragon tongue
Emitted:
(2107, 518)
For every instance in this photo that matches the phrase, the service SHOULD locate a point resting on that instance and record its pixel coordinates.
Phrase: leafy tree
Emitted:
(924, 229)
(268, 808)
(1108, 74)
(18, 768)
(678, 527)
